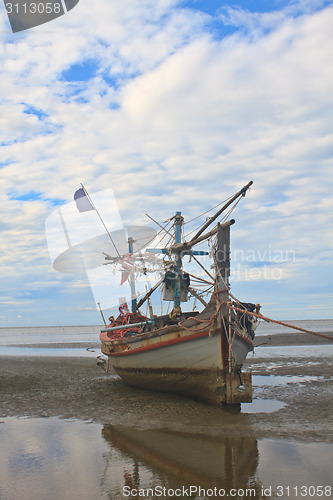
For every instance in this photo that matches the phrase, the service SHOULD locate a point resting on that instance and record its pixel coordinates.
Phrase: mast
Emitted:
(186, 246)
(179, 249)
(131, 277)
(222, 260)
(178, 270)
(222, 264)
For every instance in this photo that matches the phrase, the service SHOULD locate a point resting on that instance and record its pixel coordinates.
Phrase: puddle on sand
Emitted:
(49, 351)
(303, 351)
(274, 380)
(262, 406)
(269, 366)
(272, 405)
(69, 459)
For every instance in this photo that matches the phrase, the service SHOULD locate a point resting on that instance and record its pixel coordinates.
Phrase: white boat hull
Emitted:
(183, 362)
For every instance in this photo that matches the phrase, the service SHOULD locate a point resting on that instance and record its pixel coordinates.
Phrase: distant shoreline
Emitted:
(269, 340)
(98, 327)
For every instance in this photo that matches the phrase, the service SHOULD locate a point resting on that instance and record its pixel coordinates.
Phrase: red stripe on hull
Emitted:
(172, 342)
(158, 345)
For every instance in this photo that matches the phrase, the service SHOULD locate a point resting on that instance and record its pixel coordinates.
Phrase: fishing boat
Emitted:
(196, 354)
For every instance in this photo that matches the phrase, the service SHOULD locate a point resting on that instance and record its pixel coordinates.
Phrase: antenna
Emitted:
(100, 217)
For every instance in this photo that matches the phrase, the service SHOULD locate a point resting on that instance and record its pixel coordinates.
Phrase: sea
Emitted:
(43, 338)
(53, 458)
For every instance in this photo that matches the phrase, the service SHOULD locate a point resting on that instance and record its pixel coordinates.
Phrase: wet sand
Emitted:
(77, 388)
(292, 338)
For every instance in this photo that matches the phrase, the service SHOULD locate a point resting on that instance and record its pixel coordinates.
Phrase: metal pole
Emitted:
(178, 236)
(132, 278)
(129, 325)
(100, 309)
(100, 218)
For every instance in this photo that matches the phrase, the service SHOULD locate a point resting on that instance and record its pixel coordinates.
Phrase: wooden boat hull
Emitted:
(183, 362)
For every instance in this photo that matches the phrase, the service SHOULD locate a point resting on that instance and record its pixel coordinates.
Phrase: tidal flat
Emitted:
(69, 430)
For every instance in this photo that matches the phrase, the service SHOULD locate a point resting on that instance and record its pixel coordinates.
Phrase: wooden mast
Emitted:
(178, 269)
(222, 263)
(131, 276)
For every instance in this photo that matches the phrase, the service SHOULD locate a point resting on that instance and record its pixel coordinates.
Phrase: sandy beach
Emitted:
(69, 387)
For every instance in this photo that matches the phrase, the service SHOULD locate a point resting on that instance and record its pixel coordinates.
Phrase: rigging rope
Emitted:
(164, 235)
(223, 218)
(163, 228)
(204, 213)
(269, 320)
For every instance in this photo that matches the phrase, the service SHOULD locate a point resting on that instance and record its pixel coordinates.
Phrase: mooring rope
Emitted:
(269, 320)
(265, 318)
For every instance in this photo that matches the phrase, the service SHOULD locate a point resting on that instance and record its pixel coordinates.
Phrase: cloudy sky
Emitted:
(173, 105)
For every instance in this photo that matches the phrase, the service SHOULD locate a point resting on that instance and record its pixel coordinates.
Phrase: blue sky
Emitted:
(174, 105)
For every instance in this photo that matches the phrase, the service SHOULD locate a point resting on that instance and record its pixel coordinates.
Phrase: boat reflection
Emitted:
(178, 461)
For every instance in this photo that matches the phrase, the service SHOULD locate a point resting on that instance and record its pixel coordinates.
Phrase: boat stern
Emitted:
(238, 388)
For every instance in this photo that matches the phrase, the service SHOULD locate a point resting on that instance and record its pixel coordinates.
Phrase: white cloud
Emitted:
(189, 119)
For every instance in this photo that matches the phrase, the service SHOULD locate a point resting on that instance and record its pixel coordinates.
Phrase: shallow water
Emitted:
(90, 333)
(49, 351)
(52, 458)
(299, 351)
(262, 406)
(302, 351)
(276, 380)
(49, 335)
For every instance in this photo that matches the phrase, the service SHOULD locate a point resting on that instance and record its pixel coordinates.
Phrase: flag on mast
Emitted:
(82, 201)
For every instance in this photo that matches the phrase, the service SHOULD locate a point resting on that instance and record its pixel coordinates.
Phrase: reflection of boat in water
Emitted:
(187, 459)
(195, 354)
